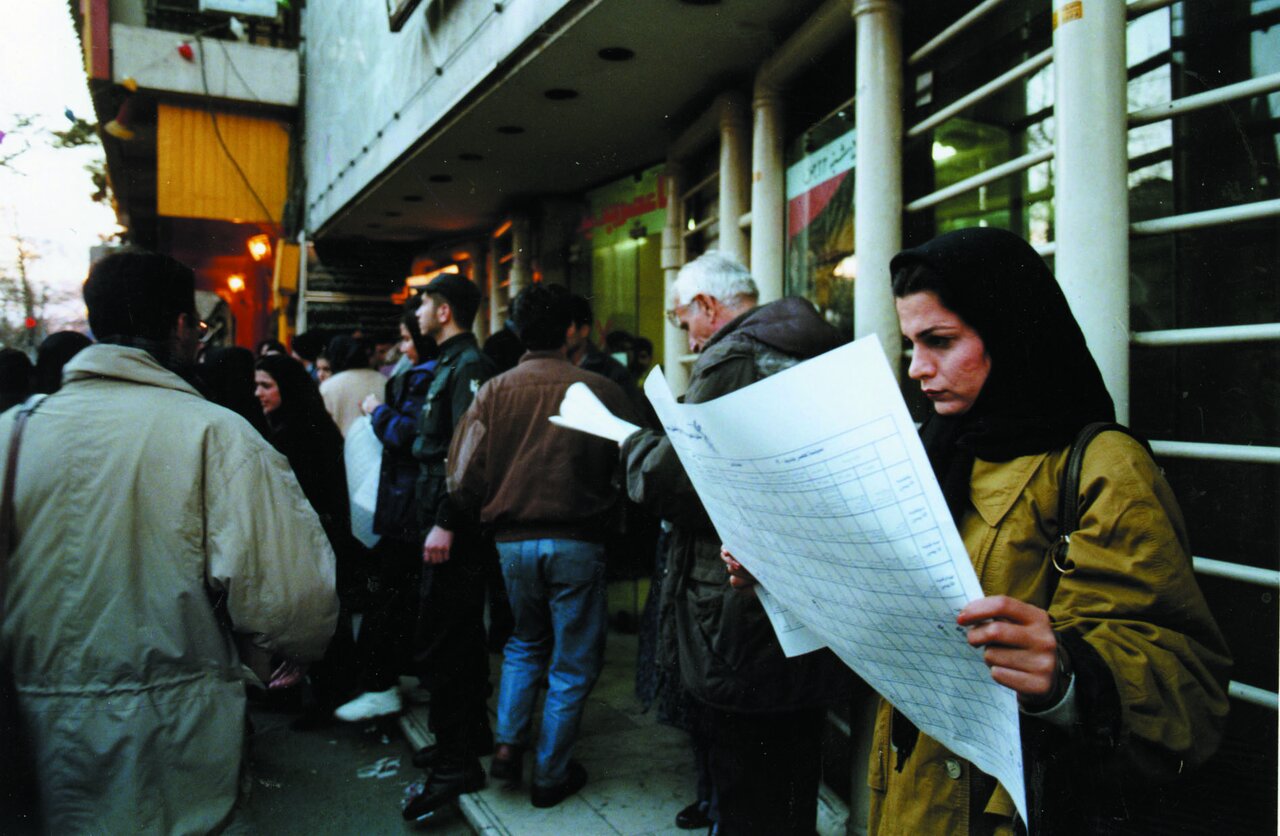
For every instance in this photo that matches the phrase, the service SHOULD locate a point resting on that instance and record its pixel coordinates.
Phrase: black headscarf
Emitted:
(227, 372)
(347, 353)
(303, 431)
(1044, 385)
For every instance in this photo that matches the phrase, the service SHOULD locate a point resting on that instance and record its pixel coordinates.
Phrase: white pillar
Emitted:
(674, 342)
(479, 269)
(734, 171)
(877, 201)
(1091, 181)
(521, 256)
(768, 196)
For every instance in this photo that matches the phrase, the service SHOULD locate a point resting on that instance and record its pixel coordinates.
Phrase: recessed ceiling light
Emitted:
(374, 225)
(392, 214)
(441, 178)
(412, 198)
(471, 156)
(560, 94)
(616, 53)
(510, 129)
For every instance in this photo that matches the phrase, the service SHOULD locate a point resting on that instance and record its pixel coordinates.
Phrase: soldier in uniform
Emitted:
(452, 653)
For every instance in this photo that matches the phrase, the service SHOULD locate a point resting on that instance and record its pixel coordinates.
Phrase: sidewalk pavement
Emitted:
(639, 772)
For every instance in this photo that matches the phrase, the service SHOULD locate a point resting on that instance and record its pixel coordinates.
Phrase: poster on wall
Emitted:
(820, 229)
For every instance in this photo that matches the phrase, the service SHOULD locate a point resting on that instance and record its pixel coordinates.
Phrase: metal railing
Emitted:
(946, 35)
(1209, 217)
(995, 85)
(1013, 166)
(1244, 453)
(1207, 336)
(1259, 86)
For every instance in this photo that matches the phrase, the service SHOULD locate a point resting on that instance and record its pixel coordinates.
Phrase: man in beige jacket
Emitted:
(151, 527)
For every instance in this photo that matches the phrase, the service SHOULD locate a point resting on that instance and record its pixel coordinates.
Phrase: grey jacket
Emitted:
(720, 638)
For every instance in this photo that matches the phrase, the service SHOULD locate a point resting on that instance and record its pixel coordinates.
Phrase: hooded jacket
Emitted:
(720, 639)
(138, 549)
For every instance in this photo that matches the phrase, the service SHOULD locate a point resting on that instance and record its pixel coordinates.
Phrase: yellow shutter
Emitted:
(195, 178)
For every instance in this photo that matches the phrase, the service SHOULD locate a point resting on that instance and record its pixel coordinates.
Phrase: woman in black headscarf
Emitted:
(1116, 661)
(56, 351)
(228, 374)
(299, 427)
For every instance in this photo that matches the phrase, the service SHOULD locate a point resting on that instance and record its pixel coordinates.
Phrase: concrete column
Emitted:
(478, 266)
(521, 256)
(768, 195)
(1091, 197)
(494, 278)
(877, 201)
(674, 343)
(734, 172)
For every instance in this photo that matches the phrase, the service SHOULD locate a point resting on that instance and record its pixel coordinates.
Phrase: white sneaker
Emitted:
(369, 705)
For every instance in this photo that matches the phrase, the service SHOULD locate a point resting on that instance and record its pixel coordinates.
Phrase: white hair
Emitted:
(716, 275)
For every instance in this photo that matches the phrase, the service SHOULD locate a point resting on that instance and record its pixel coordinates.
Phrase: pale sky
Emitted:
(44, 193)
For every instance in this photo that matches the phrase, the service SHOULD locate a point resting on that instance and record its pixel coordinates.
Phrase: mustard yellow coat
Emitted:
(1132, 600)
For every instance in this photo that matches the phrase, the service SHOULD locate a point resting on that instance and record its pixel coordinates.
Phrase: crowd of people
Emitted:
(202, 518)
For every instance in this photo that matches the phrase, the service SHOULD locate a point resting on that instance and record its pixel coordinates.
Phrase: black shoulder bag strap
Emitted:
(1069, 489)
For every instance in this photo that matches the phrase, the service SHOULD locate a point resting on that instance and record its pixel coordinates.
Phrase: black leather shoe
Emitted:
(426, 757)
(693, 817)
(507, 764)
(446, 783)
(575, 779)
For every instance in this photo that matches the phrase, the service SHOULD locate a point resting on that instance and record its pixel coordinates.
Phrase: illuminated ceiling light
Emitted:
(942, 152)
(561, 94)
(616, 53)
(235, 283)
(847, 268)
(502, 229)
(259, 247)
(692, 225)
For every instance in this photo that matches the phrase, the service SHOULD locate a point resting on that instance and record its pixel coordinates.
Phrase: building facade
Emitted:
(602, 143)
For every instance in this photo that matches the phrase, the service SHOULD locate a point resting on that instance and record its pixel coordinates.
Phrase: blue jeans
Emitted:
(557, 597)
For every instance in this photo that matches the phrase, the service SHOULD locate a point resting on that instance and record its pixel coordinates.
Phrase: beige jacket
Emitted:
(1131, 598)
(345, 391)
(138, 504)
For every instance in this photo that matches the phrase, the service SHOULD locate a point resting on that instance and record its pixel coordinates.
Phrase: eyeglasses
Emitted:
(673, 315)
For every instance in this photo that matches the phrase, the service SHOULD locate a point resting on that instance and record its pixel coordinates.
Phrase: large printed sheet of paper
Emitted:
(818, 484)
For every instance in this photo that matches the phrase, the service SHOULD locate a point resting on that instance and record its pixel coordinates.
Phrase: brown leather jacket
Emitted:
(526, 477)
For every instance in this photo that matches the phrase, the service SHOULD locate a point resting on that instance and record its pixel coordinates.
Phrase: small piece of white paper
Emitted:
(582, 410)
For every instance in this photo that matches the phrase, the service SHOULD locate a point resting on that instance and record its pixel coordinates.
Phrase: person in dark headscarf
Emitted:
(299, 427)
(15, 377)
(228, 374)
(54, 352)
(1116, 661)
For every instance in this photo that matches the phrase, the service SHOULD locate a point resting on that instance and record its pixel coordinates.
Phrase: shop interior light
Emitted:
(942, 152)
(235, 283)
(847, 268)
(259, 247)
(424, 279)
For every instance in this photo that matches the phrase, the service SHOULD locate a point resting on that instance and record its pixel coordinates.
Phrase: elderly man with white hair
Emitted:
(765, 710)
